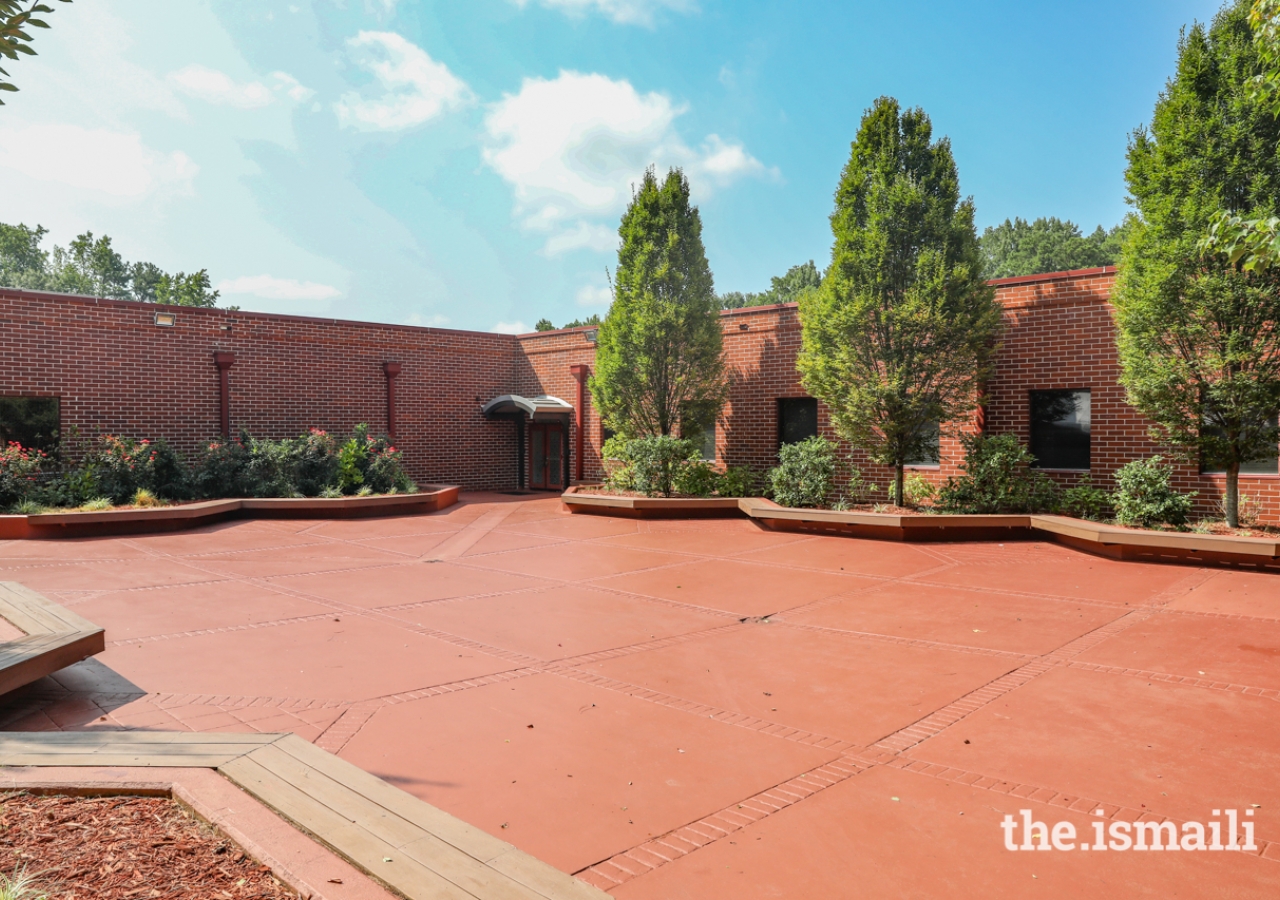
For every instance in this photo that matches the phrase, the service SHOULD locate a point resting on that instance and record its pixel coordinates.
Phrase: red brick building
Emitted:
(130, 368)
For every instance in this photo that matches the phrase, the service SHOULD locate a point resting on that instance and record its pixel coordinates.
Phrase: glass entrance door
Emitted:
(546, 457)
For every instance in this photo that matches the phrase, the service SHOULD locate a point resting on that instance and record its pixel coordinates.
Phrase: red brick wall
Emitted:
(1059, 334)
(117, 372)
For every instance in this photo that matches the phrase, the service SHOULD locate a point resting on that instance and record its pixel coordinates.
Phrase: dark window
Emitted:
(705, 440)
(1268, 465)
(933, 455)
(1060, 424)
(30, 421)
(797, 419)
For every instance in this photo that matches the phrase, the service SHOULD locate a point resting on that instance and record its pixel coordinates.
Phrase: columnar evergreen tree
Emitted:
(1199, 335)
(659, 368)
(903, 331)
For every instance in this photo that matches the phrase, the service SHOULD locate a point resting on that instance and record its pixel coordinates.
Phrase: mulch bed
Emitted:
(125, 848)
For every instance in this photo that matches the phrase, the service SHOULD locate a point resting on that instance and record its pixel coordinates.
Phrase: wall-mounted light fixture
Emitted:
(166, 319)
(743, 326)
(591, 334)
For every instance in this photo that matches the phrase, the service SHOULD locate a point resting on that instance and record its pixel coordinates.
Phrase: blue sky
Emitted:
(464, 163)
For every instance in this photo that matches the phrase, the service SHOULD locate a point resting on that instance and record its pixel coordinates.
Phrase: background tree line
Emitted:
(91, 266)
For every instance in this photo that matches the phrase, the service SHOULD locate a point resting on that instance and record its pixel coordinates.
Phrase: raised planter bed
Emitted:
(193, 515)
(579, 500)
(1092, 537)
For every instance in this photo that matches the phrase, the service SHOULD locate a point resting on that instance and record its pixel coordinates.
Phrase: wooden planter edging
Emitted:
(651, 507)
(193, 515)
(1092, 537)
(407, 845)
(53, 637)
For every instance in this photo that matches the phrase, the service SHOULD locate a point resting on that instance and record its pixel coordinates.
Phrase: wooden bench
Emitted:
(53, 637)
(408, 845)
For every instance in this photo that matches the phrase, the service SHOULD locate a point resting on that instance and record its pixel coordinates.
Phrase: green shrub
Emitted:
(20, 471)
(352, 463)
(738, 481)
(696, 478)
(1084, 501)
(998, 479)
(121, 465)
(1144, 495)
(920, 491)
(268, 469)
(805, 473)
(617, 464)
(220, 471)
(70, 488)
(656, 461)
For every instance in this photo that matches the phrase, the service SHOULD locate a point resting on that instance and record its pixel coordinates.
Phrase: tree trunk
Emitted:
(1233, 495)
(898, 483)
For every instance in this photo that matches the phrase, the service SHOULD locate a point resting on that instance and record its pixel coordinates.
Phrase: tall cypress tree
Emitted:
(1199, 336)
(903, 331)
(659, 367)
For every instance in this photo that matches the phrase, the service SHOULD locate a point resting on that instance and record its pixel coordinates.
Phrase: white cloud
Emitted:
(272, 288)
(510, 328)
(625, 12)
(573, 146)
(416, 87)
(218, 88)
(116, 163)
(583, 236)
(292, 88)
(725, 163)
(594, 296)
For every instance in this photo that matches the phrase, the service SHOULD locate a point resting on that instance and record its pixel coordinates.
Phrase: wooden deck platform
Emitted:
(53, 637)
(409, 846)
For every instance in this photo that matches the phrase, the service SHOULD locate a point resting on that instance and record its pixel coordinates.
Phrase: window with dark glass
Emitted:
(797, 419)
(932, 455)
(1060, 426)
(1269, 464)
(30, 421)
(705, 440)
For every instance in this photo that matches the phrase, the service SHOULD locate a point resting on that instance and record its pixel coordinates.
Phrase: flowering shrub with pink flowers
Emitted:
(123, 466)
(20, 470)
(116, 469)
(315, 464)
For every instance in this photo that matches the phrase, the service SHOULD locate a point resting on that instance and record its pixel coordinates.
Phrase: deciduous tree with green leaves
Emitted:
(904, 330)
(16, 21)
(659, 365)
(782, 288)
(91, 265)
(1018, 247)
(1199, 335)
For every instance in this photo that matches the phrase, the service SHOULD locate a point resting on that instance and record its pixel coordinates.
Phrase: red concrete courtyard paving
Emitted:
(707, 709)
